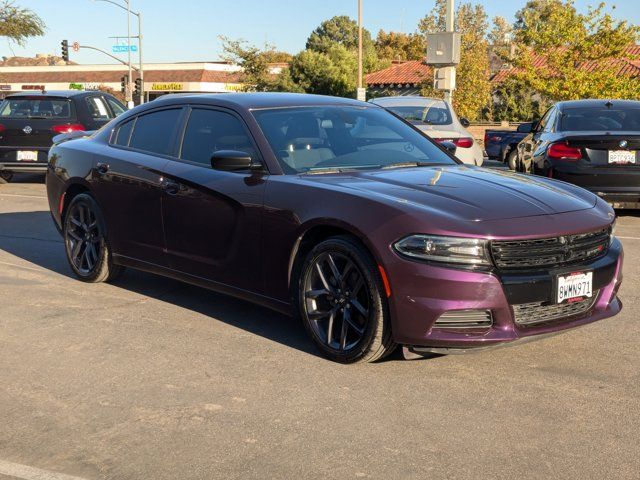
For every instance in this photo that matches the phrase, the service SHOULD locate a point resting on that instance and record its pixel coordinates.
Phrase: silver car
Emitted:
(437, 119)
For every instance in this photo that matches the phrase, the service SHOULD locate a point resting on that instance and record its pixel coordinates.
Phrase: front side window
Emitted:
(436, 113)
(308, 139)
(116, 107)
(37, 107)
(209, 131)
(154, 132)
(600, 118)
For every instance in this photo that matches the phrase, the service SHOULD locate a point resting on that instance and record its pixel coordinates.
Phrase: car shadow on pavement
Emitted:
(31, 236)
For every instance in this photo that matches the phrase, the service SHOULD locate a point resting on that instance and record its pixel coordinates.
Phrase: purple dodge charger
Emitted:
(340, 213)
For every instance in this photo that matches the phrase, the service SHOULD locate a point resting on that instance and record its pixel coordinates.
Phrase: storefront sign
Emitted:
(32, 87)
(234, 87)
(173, 87)
(76, 86)
(5, 88)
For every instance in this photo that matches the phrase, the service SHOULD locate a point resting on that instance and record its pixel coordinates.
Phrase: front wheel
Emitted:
(512, 160)
(342, 302)
(5, 177)
(86, 243)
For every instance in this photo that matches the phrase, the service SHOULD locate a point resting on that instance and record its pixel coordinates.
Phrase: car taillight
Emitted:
(2, 128)
(464, 142)
(562, 151)
(68, 128)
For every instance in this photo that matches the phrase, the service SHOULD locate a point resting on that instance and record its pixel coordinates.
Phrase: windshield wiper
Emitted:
(412, 164)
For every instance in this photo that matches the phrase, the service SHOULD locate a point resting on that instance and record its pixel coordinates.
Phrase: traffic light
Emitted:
(65, 50)
(123, 83)
(137, 89)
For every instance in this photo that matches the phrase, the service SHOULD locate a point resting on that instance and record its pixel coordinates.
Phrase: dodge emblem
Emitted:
(27, 129)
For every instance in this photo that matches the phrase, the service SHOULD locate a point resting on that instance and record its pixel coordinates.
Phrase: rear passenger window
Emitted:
(209, 131)
(97, 108)
(154, 132)
(124, 133)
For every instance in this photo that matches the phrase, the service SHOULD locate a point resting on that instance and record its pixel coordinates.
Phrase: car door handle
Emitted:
(170, 187)
(102, 168)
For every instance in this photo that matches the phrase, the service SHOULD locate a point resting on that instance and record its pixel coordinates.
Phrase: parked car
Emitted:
(29, 121)
(502, 144)
(437, 119)
(590, 143)
(340, 212)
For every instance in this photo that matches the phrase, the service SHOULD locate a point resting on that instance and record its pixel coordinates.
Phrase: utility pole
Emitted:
(361, 94)
(450, 27)
(129, 91)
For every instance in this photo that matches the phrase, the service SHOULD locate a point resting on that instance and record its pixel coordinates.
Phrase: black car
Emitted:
(590, 143)
(29, 121)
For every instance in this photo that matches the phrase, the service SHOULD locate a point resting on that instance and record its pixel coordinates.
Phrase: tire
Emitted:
(342, 303)
(5, 177)
(86, 243)
(512, 160)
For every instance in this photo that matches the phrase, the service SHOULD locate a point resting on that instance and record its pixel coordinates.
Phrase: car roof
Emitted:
(54, 93)
(258, 100)
(405, 100)
(593, 102)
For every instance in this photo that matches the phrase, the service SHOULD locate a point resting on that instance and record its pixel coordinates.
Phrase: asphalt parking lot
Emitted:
(150, 378)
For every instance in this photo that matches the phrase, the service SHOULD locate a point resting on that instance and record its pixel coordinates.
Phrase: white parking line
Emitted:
(628, 238)
(26, 472)
(19, 195)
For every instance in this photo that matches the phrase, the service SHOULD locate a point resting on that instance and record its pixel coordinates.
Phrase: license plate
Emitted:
(622, 156)
(574, 286)
(27, 156)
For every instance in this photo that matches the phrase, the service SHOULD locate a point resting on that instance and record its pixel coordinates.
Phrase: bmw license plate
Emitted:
(27, 156)
(622, 156)
(574, 286)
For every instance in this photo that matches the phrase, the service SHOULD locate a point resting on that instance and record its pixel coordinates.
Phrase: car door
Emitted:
(129, 183)
(532, 142)
(213, 218)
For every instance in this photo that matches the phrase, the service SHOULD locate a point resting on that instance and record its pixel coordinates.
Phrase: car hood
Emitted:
(467, 193)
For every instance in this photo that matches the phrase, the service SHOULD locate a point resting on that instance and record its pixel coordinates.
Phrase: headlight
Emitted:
(459, 251)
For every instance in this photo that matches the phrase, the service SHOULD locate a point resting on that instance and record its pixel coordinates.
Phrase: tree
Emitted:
(342, 30)
(397, 46)
(332, 72)
(255, 64)
(501, 36)
(18, 24)
(565, 40)
(473, 93)
(515, 101)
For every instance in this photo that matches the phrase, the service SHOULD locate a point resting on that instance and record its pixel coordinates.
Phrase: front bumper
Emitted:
(422, 293)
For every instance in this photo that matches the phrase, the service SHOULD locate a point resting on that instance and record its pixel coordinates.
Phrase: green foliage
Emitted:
(332, 72)
(515, 101)
(400, 46)
(566, 39)
(473, 93)
(18, 24)
(255, 63)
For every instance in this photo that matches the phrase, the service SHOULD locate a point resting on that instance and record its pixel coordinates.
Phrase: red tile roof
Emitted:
(411, 72)
(186, 75)
(624, 66)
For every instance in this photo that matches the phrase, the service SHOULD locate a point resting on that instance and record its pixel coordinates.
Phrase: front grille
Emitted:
(550, 252)
(465, 319)
(541, 312)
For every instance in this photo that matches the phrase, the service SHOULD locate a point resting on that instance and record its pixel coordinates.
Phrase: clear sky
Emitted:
(188, 30)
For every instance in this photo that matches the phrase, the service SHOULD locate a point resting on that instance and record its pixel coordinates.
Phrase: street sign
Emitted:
(361, 94)
(76, 47)
(124, 48)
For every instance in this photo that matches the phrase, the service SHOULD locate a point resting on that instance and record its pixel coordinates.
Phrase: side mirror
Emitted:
(525, 127)
(464, 122)
(449, 147)
(231, 160)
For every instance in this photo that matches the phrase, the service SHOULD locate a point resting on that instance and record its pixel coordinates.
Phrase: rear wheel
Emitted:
(5, 177)
(342, 302)
(86, 244)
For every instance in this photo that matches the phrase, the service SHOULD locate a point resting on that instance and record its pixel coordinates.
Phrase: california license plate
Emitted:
(573, 286)
(27, 156)
(622, 156)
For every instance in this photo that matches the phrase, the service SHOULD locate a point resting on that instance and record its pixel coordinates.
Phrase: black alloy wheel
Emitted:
(5, 177)
(86, 243)
(342, 302)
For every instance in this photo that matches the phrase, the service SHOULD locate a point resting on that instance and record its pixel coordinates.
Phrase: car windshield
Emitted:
(436, 113)
(582, 119)
(40, 107)
(316, 139)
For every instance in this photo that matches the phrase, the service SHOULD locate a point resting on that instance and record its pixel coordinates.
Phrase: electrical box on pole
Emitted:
(443, 49)
(444, 78)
